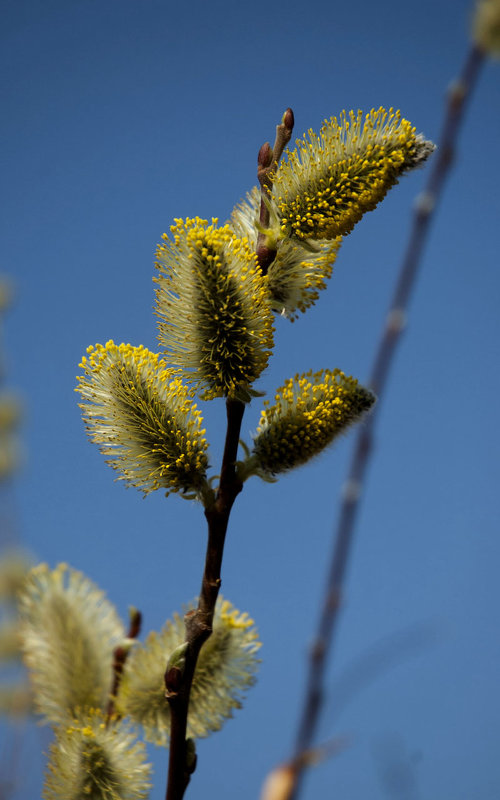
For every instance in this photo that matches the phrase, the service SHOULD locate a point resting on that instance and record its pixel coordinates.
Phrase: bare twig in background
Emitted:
(280, 782)
(426, 202)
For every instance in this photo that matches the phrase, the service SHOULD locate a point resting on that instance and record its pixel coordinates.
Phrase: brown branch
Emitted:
(178, 681)
(425, 205)
(267, 163)
(120, 655)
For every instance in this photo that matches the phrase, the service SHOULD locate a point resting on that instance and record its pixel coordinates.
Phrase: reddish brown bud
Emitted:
(288, 119)
(173, 680)
(265, 155)
(135, 619)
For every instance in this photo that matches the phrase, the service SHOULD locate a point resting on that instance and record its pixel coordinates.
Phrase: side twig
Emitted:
(426, 203)
(267, 162)
(120, 655)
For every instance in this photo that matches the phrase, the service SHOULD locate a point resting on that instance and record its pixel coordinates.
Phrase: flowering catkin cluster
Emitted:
(226, 667)
(141, 415)
(70, 634)
(215, 309)
(486, 27)
(309, 412)
(216, 297)
(215, 317)
(90, 758)
(331, 180)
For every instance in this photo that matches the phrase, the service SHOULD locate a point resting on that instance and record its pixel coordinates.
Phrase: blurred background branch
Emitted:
(485, 41)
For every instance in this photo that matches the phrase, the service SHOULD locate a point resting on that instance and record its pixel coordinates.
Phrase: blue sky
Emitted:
(120, 116)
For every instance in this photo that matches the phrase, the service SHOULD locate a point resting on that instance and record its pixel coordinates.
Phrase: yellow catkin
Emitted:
(225, 669)
(140, 413)
(331, 179)
(310, 410)
(214, 313)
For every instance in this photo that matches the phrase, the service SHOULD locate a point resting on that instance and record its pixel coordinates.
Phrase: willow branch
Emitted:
(178, 682)
(425, 205)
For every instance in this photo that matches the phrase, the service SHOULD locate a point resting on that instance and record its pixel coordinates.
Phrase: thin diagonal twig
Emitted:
(426, 203)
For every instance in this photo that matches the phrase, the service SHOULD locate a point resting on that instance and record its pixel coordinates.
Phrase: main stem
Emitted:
(178, 682)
